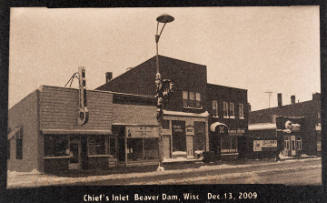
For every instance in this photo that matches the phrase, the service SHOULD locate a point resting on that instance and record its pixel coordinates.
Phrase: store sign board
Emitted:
(189, 130)
(142, 132)
(262, 145)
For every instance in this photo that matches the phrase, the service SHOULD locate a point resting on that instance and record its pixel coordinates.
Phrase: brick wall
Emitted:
(59, 109)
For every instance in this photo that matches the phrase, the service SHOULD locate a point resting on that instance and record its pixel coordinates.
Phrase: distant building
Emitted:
(269, 124)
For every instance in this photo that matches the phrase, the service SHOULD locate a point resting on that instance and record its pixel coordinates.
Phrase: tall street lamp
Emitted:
(164, 87)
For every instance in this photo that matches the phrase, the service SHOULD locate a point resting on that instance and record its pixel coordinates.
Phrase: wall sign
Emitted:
(264, 145)
(142, 132)
(189, 130)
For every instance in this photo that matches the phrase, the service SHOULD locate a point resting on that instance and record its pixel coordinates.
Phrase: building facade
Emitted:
(200, 116)
(44, 132)
(304, 127)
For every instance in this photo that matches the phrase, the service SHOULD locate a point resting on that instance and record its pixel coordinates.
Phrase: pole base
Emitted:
(160, 168)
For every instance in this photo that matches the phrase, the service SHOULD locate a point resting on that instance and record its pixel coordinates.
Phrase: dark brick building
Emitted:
(266, 122)
(198, 108)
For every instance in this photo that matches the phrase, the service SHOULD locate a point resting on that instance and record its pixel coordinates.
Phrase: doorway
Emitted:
(75, 153)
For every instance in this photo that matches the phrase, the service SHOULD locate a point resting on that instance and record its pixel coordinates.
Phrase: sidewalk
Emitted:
(34, 179)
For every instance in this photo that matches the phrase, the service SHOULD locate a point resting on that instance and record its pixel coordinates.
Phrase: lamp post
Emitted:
(164, 87)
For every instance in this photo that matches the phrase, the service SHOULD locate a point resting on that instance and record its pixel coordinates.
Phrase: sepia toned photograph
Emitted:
(164, 96)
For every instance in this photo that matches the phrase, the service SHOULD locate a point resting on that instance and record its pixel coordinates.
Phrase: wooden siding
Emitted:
(59, 109)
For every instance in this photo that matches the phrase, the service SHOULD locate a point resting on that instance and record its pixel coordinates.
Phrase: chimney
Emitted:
(293, 99)
(108, 76)
(279, 99)
(316, 96)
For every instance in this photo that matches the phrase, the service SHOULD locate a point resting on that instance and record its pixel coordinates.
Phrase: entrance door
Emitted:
(293, 147)
(166, 146)
(75, 153)
(189, 146)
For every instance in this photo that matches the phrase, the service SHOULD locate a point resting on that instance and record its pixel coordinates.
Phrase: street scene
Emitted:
(154, 97)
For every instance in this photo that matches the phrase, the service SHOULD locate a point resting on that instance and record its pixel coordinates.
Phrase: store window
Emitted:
(134, 149)
(225, 109)
(56, 145)
(112, 146)
(151, 149)
(228, 143)
(241, 111)
(199, 136)
(231, 110)
(97, 144)
(191, 99)
(214, 106)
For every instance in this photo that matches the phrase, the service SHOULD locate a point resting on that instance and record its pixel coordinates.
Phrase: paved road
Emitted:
(299, 172)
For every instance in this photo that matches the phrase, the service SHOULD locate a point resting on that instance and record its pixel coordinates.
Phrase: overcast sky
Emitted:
(256, 48)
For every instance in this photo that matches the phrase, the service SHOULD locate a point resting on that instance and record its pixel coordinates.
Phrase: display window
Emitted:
(142, 149)
(56, 145)
(97, 144)
(228, 143)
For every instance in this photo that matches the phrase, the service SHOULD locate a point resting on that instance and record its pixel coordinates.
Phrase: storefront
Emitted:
(224, 142)
(184, 136)
(136, 144)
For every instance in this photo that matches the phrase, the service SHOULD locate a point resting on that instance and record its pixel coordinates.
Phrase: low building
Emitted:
(45, 133)
(271, 124)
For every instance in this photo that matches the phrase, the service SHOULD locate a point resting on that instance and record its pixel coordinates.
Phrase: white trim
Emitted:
(75, 131)
(136, 124)
(215, 124)
(178, 113)
(262, 126)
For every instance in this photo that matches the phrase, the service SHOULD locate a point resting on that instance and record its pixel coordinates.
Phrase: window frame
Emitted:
(105, 143)
(231, 110)
(19, 145)
(214, 108)
(225, 109)
(241, 111)
(191, 99)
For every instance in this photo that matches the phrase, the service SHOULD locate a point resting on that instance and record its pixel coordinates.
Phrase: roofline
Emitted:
(287, 105)
(204, 66)
(103, 91)
(226, 86)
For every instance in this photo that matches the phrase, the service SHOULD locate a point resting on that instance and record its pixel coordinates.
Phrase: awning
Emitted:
(215, 124)
(75, 132)
(13, 133)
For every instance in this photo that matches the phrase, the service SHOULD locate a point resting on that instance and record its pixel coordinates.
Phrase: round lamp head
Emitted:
(165, 18)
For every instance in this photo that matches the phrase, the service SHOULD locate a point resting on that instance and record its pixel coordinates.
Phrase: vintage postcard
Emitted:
(171, 97)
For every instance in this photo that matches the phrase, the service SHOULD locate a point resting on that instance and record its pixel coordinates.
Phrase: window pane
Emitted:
(232, 113)
(112, 146)
(100, 144)
(134, 149)
(198, 96)
(185, 98)
(56, 145)
(192, 96)
(225, 109)
(151, 149)
(241, 111)
(185, 95)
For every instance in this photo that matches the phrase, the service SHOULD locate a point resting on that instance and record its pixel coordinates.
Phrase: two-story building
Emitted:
(199, 116)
